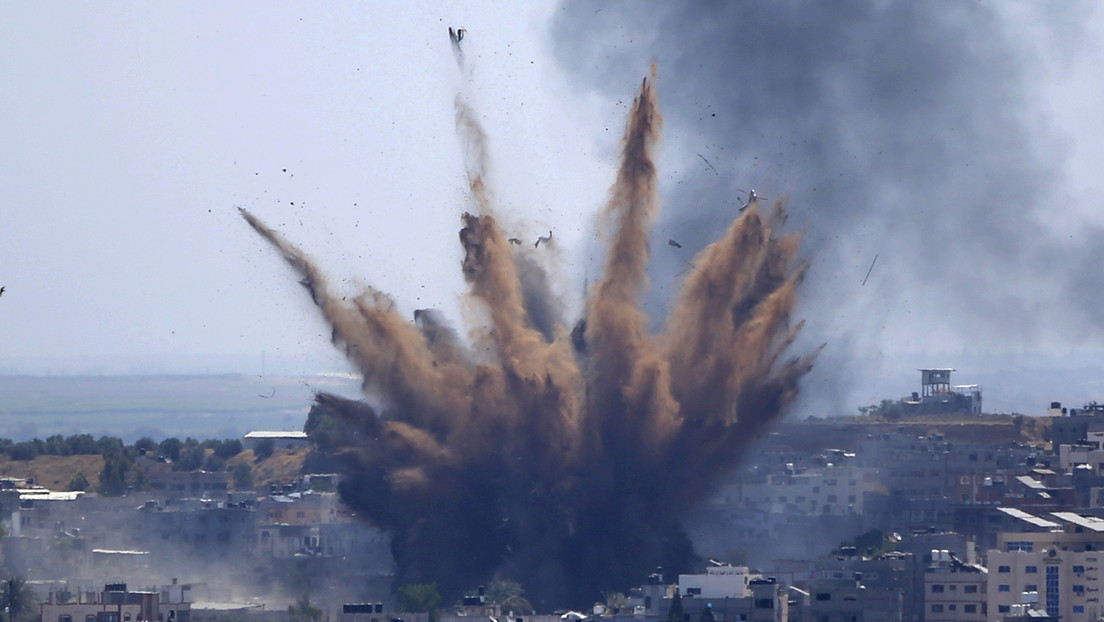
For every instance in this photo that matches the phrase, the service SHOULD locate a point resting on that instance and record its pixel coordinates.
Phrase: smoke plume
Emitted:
(560, 459)
(913, 132)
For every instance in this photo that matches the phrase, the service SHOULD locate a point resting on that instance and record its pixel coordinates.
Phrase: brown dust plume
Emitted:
(562, 460)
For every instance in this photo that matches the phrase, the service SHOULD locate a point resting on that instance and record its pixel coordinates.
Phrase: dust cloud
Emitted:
(562, 459)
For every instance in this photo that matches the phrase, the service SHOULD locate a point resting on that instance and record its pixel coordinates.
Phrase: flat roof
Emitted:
(1028, 518)
(271, 434)
(1091, 523)
(1030, 482)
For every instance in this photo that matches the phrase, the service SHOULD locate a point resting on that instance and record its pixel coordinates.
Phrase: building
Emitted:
(118, 604)
(954, 591)
(284, 439)
(1060, 569)
(719, 581)
(937, 395)
(834, 490)
(1071, 427)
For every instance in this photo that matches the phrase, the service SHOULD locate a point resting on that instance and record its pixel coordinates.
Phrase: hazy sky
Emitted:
(957, 142)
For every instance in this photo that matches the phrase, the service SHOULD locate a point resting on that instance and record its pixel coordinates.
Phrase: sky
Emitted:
(955, 142)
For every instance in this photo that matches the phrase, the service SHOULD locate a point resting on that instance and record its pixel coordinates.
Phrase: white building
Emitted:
(285, 439)
(719, 581)
(1058, 570)
(954, 591)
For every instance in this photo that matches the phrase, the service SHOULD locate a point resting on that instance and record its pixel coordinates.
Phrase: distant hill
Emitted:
(55, 472)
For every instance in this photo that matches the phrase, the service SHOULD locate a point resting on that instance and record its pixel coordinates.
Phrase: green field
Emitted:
(129, 407)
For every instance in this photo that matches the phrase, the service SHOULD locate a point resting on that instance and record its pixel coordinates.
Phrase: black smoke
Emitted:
(910, 131)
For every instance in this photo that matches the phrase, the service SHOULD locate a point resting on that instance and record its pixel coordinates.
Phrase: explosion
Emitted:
(560, 459)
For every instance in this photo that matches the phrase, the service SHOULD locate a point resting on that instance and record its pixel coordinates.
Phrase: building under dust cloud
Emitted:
(562, 459)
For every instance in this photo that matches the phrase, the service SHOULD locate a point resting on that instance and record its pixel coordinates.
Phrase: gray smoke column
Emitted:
(911, 131)
(561, 460)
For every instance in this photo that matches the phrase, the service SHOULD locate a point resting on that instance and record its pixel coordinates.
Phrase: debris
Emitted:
(752, 198)
(870, 269)
(707, 163)
(674, 243)
(514, 241)
(546, 239)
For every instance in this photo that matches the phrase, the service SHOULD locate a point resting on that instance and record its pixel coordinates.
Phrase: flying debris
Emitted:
(2, 290)
(871, 269)
(709, 164)
(674, 243)
(514, 241)
(752, 198)
(544, 238)
(456, 36)
(565, 462)
(267, 396)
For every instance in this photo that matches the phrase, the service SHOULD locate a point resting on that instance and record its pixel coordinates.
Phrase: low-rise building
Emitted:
(118, 604)
(954, 591)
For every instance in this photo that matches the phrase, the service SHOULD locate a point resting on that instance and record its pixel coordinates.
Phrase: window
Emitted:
(824, 596)
(1004, 608)
(1079, 589)
(951, 607)
(937, 608)
(1079, 608)
(693, 591)
(1004, 569)
(1003, 588)
(1031, 569)
(969, 589)
(971, 608)
(937, 588)
(965, 479)
(1031, 587)
(1078, 569)
(764, 603)
(65, 618)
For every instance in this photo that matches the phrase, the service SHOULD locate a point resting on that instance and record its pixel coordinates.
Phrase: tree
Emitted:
(242, 476)
(79, 482)
(419, 598)
(170, 448)
(110, 446)
(190, 458)
(113, 476)
(82, 445)
(25, 450)
(146, 445)
(56, 445)
(18, 599)
(228, 449)
(264, 449)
